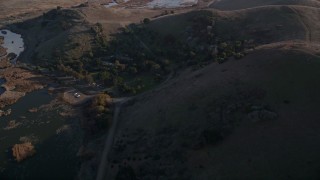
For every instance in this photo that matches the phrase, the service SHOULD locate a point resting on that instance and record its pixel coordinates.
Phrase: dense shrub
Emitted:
(99, 111)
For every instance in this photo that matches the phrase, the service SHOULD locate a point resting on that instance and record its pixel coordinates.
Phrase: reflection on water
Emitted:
(56, 152)
(13, 43)
(171, 3)
(113, 3)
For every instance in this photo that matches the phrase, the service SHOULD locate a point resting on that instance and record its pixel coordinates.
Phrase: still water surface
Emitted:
(56, 152)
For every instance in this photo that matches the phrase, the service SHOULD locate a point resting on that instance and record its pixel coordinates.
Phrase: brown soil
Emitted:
(70, 98)
(4, 63)
(3, 52)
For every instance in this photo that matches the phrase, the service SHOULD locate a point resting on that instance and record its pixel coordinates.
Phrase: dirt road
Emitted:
(305, 26)
(103, 167)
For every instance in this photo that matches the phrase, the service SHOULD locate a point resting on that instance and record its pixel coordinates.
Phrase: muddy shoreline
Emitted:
(18, 82)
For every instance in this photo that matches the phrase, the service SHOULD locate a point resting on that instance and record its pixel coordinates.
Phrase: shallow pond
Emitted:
(13, 42)
(56, 149)
(171, 3)
(113, 3)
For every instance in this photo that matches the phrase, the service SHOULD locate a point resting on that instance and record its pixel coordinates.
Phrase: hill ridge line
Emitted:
(265, 6)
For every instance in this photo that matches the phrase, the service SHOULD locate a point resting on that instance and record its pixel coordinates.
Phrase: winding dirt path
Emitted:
(298, 45)
(305, 26)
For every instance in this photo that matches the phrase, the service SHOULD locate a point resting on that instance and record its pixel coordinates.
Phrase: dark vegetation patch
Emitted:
(136, 58)
(261, 25)
(163, 151)
(98, 114)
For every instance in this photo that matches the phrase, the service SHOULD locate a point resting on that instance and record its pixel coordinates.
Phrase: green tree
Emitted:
(104, 76)
(155, 67)
(133, 70)
(89, 78)
(117, 80)
(146, 20)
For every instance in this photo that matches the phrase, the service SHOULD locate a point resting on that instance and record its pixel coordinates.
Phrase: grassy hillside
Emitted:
(61, 40)
(139, 56)
(243, 4)
(23, 8)
(309, 16)
(228, 111)
(56, 34)
(252, 118)
(264, 25)
(177, 24)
